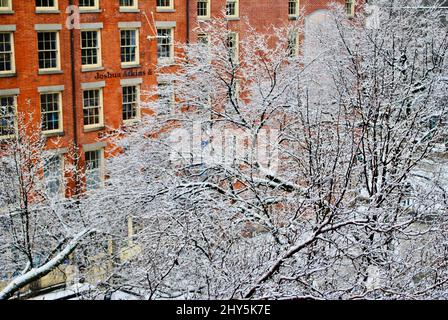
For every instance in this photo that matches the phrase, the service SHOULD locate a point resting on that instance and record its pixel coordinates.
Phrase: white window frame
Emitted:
(61, 126)
(58, 48)
(237, 9)
(173, 96)
(6, 9)
(207, 16)
(4, 137)
(101, 168)
(352, 4)
(91, 8)
(100, 124)
(99, 50)
(137, 48)
(13, 54)
(293, 35)
(237, 46)
(170, 6)
(169, 59)
(293, 15)
(61, 191)
(134, 7)
(138, 113)
(53, 8)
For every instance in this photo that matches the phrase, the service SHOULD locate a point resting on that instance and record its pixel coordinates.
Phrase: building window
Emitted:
(51, 112)
(91, 48)
(232, 45)
(165, 47)
(293, 7)
(94, 169)
(5, 5)
(93, 108)
(166, 96)
(131, 103)
(165, 4)
(350, 7)
(53, 175)
(203, 9)
(203, 39)
(48, 50)
(293, 44)
(46, 4)
(8, 116)
(129, 47)
(89, 5)
(7, 64)
(128, 4)
(232, 8)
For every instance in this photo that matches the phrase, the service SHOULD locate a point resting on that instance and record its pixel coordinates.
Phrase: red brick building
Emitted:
(79, 65)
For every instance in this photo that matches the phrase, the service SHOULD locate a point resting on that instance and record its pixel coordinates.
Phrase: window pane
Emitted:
(92, 107)
(7, 116)
(89, 48)
(53, 175)
(6, 55)
(164, 43)
(47, 50)
(130, 102)
(50, 111)
(93, 169)
(45, 3)
(128, 46)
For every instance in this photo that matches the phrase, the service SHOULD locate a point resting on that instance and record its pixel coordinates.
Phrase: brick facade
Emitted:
(27, 79)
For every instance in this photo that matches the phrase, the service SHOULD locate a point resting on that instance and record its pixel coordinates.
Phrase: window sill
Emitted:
(130, 66)
(233, 18)
(165, 62)
(167, 10)
(8, 75)
(90, 10)
(90, 69)
(53, 134)
(129, 10)
(293, 17)
(92, 129)
(7, 12)
(204, 19)
(44, 72)
(40, 11)
(12, 136)
(131, 122)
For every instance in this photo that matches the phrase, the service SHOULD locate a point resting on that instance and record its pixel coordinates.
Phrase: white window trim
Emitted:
(171, 6)
(58, 58)
(237, 10)
(53, 8)
(5, 137)
(170, 59)
(62, 187)
(61, 122)
(352, 13)
(137, 51)
(173, 95)
(237, 46)
(8, 8)
(207, 16)
(102, 167)
(92, 8)
(138, 115)
(134, 7)
(297, 9)
(13, 56)
(87, 67)
(101, 107)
